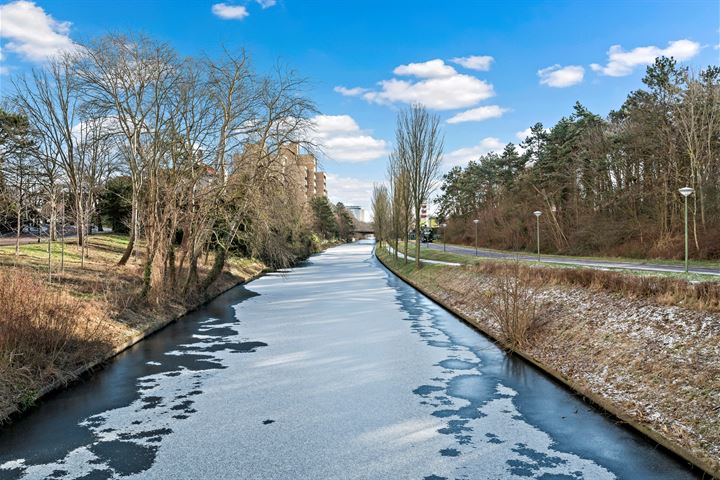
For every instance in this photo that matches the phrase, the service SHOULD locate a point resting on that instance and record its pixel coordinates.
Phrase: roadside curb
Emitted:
(77, 374)
(708, 466)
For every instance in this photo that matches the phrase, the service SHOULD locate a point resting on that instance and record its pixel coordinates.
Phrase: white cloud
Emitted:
(350, 191)
(342, 140)
(32, 33)
(230, 12)
(437, 86)
(462, 156)
(429, 69)
(266, 3)
(480, 63)
(523, 134)
(561, 77)
(621, 63)
(478, 114)
(3, 69)
(350, 92)
(444, 93)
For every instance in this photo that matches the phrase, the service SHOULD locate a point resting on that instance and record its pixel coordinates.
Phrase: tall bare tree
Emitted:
(17, 148)
(401, 200)
(51, 98)
(380, 204)
(419, 144)
(129, 79)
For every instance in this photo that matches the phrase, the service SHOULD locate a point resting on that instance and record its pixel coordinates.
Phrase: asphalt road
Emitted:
(8, 239)
(335, 369)
(650, 267)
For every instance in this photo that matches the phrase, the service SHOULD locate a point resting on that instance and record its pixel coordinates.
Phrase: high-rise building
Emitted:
(313, 183)
(356, 212)
(321, 184)
(290, 163)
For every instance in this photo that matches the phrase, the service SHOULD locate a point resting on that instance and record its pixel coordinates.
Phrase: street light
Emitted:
(444, 226)
(686, 192)
(476, 221)
(537, 214)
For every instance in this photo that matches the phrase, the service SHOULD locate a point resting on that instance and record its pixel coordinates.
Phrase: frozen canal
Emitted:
(335, 369)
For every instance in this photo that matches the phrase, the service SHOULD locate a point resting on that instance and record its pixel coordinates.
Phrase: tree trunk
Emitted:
(50, 258)
(417, 237)
(52, 231)
(192, 276)
(79, 221)
(17, 232)
(215, 271)
(133, 231)
(407, 243)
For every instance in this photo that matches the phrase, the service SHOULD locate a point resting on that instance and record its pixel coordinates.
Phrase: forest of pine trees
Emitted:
(605, 185)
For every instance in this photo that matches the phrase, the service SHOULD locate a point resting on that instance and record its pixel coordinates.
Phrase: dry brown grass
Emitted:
(48, 331)
(667, 291)
(45, 335)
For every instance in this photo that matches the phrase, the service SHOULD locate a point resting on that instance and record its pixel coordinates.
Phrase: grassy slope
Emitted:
(107, 295)
(658, 364)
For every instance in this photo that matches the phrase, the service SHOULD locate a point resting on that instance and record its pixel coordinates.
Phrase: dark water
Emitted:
(335, 369)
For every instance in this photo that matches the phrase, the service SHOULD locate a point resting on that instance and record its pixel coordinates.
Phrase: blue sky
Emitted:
(545, 56)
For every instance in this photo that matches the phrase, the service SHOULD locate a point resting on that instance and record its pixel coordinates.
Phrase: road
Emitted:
(8, 240)
(641, 266)
(334, 369)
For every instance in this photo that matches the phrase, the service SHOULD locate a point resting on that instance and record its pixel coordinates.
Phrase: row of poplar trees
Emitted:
(413, 173)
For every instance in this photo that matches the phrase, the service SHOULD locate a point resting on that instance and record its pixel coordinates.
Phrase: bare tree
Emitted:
(279, 117)
(205, 144)
(95, 157)
(215, 104)
(380, 204)
(698, 119)
(51, 100)
(129, 79)
(401, 198)
(419, 145)
(18, 150)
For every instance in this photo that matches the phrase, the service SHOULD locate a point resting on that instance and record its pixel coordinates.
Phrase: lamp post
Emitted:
(444, 226)
(476, 221)
(686, 192)
(537, 214)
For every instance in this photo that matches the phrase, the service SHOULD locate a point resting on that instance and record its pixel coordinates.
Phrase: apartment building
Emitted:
(312, 182)
(357, 211)
(302, 167)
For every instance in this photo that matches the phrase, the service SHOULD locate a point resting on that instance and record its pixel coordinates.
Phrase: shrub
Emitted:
(511, 302)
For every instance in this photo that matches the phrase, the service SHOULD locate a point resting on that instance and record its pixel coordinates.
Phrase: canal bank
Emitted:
(333, 369)
(227, 282)
(457, 298)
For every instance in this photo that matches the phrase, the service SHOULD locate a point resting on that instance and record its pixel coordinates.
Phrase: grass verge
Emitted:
(647, 261)
(432, 254)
